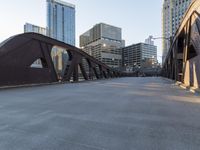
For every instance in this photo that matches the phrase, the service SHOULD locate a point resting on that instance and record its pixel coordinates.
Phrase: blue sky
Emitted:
(137, 18)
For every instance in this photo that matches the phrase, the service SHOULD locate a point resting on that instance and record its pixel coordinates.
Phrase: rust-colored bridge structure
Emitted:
(18, 54)
(183, 60)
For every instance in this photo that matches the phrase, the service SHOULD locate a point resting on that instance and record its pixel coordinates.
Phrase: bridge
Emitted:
(106, 110)
(183, 60)
(18, 54)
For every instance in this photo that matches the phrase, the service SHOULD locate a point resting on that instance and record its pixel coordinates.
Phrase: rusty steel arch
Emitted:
(19, 52)
(183, 60)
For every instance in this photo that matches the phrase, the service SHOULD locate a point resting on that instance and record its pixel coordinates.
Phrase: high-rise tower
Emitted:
(61, 21)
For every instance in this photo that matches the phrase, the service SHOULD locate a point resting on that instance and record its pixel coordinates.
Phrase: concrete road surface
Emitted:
(117, 114)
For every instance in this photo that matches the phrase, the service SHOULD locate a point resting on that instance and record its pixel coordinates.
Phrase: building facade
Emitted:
(33, 28)
(103, 42)
(61, 21)
(179, 9)
(136, 55)
(172, 14)
(166, 26)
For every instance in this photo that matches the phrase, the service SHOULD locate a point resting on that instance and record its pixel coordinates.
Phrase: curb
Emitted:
(28, 85)
(48, 84)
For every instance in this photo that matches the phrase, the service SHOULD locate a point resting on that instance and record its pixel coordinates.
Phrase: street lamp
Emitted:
(169, 39)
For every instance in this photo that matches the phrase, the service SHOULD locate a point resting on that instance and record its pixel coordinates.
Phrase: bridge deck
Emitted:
(117, 114)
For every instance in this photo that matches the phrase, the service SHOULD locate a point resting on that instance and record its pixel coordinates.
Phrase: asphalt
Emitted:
(116, 114)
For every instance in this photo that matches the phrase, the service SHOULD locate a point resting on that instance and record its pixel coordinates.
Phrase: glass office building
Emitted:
(61, 21)
(33, 28)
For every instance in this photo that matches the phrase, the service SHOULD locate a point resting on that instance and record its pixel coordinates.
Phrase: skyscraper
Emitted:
(179, 9)
(103, 42)
(61, 21)
(173, 12)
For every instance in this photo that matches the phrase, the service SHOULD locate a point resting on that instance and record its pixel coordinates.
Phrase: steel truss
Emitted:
(18, 53)
(183, 60)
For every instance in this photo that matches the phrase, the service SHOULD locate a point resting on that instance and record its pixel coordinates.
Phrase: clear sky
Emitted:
(137, 18)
